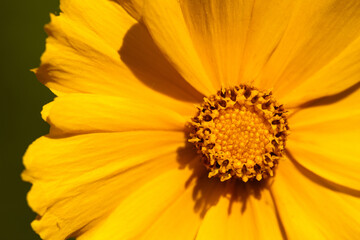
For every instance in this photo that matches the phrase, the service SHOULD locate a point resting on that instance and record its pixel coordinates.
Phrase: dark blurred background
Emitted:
(21, 99)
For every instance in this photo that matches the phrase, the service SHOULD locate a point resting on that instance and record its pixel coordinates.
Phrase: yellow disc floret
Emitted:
(240, 132)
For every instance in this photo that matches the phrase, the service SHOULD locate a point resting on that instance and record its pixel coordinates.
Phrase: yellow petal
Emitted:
(324, 139)
(179, 220)
(162, 209)
(241, 215)
(86, 113)
(317, 33)
(341, 73)
(234, 39)
(219, 30)
(97, 17)
(269, 21)
(79, 180)
(167, 26)
(96, 47)
(133, 7)
(309, 210)
(215, 223)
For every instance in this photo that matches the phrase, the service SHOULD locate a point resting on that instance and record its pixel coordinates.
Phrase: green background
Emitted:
(22, 97)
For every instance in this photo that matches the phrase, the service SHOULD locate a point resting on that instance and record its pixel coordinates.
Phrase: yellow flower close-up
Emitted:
(199, 119)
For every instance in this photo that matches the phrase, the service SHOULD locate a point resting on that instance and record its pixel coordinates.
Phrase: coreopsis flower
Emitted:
(194, 119)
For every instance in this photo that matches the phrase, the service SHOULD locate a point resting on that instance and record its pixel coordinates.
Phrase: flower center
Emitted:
(240, 132)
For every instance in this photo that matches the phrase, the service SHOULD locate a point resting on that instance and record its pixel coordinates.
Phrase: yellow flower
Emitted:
(117, 163)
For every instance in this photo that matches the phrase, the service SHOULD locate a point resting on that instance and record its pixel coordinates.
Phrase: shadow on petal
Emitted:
(208, 191)
(320, 180)
(149, 65)
(278, 217)
(327, 100)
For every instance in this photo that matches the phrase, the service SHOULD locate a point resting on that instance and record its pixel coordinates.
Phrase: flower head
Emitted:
(172, 121)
